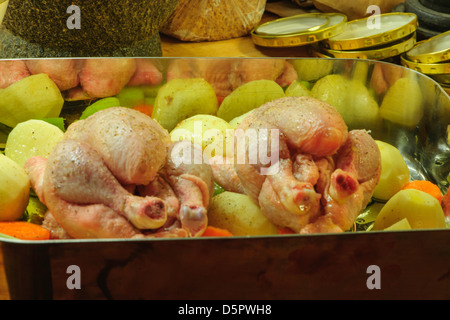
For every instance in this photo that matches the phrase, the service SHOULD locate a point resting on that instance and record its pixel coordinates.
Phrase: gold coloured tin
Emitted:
(377, 53)
(335, 26)
(293, 25)
(427, 68)
(433, 50)
(443, 79)
(361, 33)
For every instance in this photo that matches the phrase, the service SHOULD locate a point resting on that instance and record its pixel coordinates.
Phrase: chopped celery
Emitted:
(131, 96)
(35, 211)
(98, 105)
(57, 122)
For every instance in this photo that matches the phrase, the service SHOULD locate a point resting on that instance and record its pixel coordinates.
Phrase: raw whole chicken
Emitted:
(116, 175)
(324, 176)
(85, 79)
(225, 75)
(12, 71)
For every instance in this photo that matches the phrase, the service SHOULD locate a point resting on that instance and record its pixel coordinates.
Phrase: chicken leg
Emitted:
(78, 175)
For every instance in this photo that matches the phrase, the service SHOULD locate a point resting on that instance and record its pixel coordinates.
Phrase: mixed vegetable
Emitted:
(34, 117)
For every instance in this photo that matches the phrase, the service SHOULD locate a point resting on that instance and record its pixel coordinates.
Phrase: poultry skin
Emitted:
(85, 79)
(325, 174)
(112, 176)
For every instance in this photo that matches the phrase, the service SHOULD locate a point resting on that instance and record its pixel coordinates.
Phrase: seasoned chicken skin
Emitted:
(324, 176)
(113, 175)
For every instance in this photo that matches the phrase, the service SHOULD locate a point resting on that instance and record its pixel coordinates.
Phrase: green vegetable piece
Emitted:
(98, 105)
(35, 211)
(151, 91)
(298, 89)
(5, 236)
(218, 189)
(57, 122)
(150, 101)
(131, 96)
(307, 84)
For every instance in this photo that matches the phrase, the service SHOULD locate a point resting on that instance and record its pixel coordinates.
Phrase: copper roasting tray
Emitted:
(412, 264)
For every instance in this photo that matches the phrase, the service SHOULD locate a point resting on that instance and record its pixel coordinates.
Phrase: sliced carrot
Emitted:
(220, 99)
(216, 232)
(144, 108)
(24, 230)
(285, 231)
(425, 186)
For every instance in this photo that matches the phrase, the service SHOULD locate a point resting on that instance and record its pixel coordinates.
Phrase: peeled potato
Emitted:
(297, 89)
(351, 98)
(249, 96)
(32, 138)
(14, 189)
(34, 97)
(394, 172)
(331, 89)
(239, 214)
(403, 103)
(179, 99)
(400, 225)
(234, 123)
(362, 111)
(209, 131)
(422, 211)
(312, 69)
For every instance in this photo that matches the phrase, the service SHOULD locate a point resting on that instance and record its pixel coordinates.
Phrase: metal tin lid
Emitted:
(293, 25)
(427, 68)
(361, 34)
(299, 30)
(433, 50)
(376, 53)
(442, 79)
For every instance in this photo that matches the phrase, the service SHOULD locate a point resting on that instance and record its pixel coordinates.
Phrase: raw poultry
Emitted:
(84, 79)
(325, 175)
(113, 176)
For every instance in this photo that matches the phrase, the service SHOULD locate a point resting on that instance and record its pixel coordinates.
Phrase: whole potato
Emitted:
(179, 99)
(32, 138)
(238, 214)
(352, 100)
(403, 103)
(34, 97)
(249, 96)
(394, 172)
(14, 189)
(214, 134)
(421, 210)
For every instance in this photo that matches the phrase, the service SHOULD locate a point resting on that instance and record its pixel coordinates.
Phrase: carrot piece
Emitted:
(144, 108)
(216, 232)
(425, 186)
(285, 230)
(220, 99)
(24, 230)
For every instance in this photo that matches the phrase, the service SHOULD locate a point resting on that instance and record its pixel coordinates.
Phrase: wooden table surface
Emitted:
(4, 293)
(239, 47)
